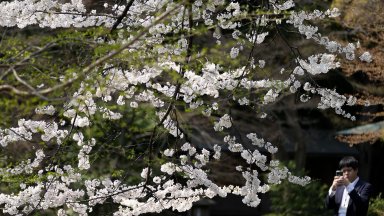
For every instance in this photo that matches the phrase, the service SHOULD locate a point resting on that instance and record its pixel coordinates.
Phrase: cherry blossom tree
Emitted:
(160, 59)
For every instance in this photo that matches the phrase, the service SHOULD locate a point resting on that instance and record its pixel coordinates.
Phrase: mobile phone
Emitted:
(339, 173)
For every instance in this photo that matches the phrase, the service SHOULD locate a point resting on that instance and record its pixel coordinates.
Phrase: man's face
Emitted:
(349, 173)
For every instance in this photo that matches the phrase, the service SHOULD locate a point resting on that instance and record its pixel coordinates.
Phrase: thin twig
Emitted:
(27, 85)
(28, 58)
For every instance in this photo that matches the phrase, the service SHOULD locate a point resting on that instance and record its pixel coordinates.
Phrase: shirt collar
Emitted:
(354, 182)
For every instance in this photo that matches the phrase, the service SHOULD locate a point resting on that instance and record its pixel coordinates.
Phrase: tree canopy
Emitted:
(102, 95)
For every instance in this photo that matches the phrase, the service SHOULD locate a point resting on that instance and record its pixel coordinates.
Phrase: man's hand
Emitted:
(339, 181)
(344, 181)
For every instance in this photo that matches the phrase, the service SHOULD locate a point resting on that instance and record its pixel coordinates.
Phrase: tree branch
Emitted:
(121, 17)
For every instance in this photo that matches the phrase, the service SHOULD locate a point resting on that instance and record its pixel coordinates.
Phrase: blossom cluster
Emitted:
(26, 129)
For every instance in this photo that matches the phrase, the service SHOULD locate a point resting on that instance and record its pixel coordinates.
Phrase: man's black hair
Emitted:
(349, 161)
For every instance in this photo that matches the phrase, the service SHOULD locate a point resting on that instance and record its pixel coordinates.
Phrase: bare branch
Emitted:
(121, 17)
(27, 85)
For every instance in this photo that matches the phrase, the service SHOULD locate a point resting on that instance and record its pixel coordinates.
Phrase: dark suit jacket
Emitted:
(358, 202)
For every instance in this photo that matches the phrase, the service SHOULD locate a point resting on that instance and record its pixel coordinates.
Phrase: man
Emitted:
(349, 195)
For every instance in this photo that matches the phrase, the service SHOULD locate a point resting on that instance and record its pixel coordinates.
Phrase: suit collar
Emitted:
(359, 184)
